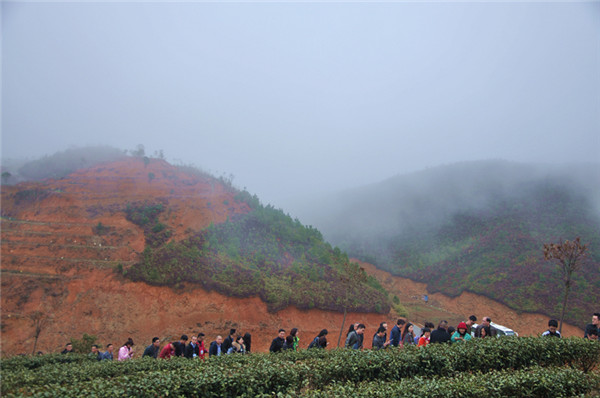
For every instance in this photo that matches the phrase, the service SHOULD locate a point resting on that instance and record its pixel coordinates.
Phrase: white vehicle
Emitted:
(501, 330)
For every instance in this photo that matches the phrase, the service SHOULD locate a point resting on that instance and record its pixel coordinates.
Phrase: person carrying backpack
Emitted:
(315, 342)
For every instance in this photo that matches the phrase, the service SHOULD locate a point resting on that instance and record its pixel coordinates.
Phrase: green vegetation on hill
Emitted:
(498, 253)
(479, 227)
(264, 253)
(63, 163)
(146, 216)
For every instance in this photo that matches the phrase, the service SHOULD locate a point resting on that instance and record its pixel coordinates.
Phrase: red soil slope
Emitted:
(54, 263)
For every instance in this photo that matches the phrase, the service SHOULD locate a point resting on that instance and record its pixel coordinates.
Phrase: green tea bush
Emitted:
(481, 355)
(504, 366)
(529, 382)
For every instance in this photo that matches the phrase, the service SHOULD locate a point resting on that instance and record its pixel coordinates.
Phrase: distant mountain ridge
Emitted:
(475, 226)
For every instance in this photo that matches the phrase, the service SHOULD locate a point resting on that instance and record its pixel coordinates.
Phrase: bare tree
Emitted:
(39, 320)
(569, 256)
(353, 276)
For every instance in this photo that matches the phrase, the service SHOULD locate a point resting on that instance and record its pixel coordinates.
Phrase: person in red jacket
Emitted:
(202, 348)
(424, 339)
(167, 352)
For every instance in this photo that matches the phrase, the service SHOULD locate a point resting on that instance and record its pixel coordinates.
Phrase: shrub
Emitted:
(101, 229)
(539, 367)
(528, 382)
(264, 253)
(83, 345)
(31, 195)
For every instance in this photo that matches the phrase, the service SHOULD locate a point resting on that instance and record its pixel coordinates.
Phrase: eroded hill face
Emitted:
(62, 241)
(57, 227)
(58, 232)
(65, 242)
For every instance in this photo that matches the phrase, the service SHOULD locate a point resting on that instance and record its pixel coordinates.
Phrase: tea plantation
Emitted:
(505, 367)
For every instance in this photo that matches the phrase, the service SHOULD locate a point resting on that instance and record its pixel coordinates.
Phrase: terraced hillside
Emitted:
(59, 225)
(138, 247)
(56, 233)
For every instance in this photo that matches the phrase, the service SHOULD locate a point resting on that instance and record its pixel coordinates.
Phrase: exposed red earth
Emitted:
(54, 263)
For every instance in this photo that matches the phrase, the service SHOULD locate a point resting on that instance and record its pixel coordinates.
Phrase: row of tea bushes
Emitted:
(481, 355)
(529, 382)
(308, 371)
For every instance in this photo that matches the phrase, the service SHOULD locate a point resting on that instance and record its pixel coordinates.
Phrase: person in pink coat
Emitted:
(126, 351)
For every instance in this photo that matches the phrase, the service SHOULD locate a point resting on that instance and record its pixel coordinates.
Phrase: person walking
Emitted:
(201, 347)
(440, 335)
(126, 351)
(237, 346)
(295, 337)
(461, 333)
(180, 345)
(192, 350)
(248, 342)
(424, 339)
(167, 351)
(408, 336)
(315, 342)
(552, 332)
(108, 354)
(68, 349)
(153, 349)
(396, 339)
(354, 340)
(380, 341)
(594, 326)
(229, 340)
(216, 347)
(277, 343)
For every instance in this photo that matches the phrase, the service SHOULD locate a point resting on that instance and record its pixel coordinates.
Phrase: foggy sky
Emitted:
(297, 98)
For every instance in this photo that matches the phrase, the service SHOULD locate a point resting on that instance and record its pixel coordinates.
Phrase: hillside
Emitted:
(79, 243)
(138, 247)
(476, 227)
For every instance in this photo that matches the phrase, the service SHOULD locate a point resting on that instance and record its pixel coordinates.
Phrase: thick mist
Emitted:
(299, 98)
(425, 200)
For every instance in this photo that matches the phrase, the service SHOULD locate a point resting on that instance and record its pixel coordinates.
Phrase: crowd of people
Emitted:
(401, 335)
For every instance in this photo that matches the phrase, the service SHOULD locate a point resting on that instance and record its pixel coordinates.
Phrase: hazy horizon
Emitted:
(304, 98)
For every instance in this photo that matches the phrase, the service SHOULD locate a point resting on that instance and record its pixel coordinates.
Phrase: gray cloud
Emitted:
(293, 98)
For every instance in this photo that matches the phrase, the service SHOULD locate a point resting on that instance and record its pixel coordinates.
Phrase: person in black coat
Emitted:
(594, 326)
(228, 340)
(277, 343)
(68, 349)
(153, 349)
(248, 341)
(180, 346)
(216, 347)
(192, 350)
(440, 335)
